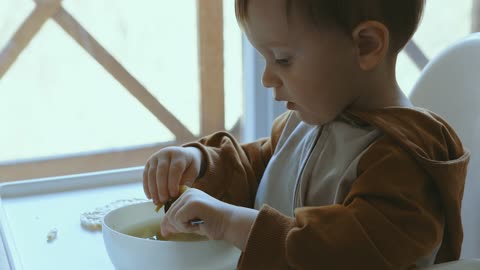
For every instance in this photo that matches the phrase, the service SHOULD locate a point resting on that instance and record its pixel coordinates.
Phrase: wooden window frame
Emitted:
(210, 33)
(476, 16)
(211, 63)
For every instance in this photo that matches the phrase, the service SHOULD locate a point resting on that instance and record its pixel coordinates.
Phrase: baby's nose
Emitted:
(270, 80)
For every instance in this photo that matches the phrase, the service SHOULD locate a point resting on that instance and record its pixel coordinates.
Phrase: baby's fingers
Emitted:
(162, 182)
(152, 184)
(146, 189)
(175, 173)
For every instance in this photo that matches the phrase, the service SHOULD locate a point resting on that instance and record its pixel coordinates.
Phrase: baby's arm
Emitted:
(240, 224)
(232, 171)
(217, 164)
(391, 218)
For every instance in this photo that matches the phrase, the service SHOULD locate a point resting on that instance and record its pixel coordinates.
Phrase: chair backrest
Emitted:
(457, 265)
(450, 86)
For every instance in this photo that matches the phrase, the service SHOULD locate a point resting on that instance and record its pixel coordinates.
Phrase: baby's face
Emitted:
(310, 68)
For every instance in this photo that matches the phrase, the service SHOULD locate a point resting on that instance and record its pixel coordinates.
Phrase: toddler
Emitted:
(353, 176)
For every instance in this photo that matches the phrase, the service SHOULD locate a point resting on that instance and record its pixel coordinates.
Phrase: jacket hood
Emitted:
(436, 147)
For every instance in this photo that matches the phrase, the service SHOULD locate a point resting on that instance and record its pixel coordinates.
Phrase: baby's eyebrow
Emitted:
(274, 44)
(276, 49)
(268, 50)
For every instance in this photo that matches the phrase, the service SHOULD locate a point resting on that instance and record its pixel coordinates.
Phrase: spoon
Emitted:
(193, 222)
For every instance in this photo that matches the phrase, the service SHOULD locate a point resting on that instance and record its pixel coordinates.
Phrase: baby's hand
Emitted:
(222, 221)
(169, 168)
(196, 204)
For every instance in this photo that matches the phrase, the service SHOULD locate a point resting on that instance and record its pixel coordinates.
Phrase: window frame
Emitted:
(260, 109)
(212, 110)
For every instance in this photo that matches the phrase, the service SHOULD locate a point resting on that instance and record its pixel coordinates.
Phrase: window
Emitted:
(443, 23)
(101, 84)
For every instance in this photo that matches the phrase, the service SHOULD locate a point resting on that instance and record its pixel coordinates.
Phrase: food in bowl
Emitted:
(151, 230)
(129, 252)
(182, 189)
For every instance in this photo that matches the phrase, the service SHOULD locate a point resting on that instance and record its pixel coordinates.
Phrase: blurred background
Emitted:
(88, 85)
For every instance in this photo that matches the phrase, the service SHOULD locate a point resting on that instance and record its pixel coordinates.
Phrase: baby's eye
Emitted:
(282, 62)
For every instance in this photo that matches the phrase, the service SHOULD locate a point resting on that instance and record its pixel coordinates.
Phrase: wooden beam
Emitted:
(25, 33)
(104, 58)
(210, 47)
(88, 162)
(210, 31)
(416, 54)
(476, 16)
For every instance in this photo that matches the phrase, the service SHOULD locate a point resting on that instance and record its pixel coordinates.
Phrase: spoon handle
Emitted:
(196, 222)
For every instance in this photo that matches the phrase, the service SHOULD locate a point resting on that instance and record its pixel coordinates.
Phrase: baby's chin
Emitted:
(313, 119)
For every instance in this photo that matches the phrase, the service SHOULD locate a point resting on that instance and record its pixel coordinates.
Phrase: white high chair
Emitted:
(450, 86)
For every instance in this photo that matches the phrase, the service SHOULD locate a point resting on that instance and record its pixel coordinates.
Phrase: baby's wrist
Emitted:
(197, 156)
(239, 225)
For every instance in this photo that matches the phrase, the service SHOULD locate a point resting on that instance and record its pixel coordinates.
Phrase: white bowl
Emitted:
(129, 253)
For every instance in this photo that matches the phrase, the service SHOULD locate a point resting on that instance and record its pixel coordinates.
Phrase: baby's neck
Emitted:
(378, 96)
(379, 89)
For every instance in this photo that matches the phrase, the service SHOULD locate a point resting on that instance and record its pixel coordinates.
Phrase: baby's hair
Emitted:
(401, 17)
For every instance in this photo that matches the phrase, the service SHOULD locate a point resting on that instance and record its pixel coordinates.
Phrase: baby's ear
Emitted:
(371, 40)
